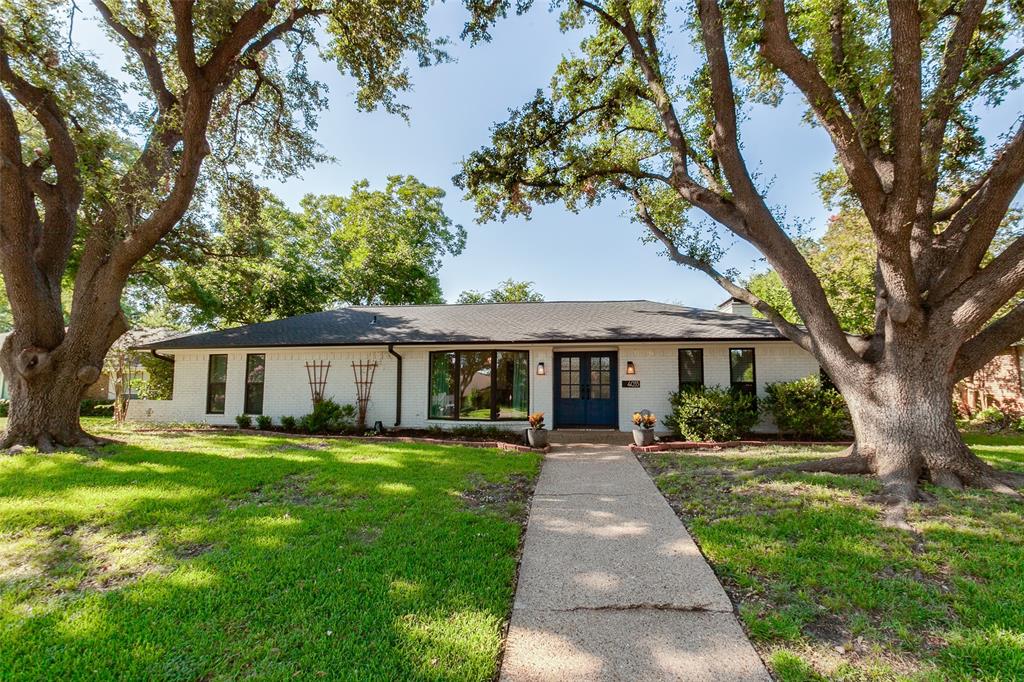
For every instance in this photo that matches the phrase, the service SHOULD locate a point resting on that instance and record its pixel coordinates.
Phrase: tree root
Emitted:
(46, 443)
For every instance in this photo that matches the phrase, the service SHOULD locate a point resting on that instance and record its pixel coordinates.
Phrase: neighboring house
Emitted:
(1000, 384)
(584, 364)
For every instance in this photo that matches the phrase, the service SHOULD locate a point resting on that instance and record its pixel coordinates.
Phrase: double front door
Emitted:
(586, 394)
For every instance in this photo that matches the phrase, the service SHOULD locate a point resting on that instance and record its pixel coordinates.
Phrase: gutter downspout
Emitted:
(165, 358)
(398, 385)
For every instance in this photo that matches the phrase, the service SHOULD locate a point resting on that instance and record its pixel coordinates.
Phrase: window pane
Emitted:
(691, 367)
(218, 368)
(216, 384)
(474, 385)
(255, 371)
(442, 389)
(741, 365)
(513, 384)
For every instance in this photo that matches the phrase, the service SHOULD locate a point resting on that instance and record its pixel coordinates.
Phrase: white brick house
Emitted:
(584, 364)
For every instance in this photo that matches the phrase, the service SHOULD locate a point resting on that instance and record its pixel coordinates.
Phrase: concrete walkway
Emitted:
(612, 587)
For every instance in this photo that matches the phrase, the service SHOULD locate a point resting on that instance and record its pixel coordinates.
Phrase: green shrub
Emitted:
(329, 417)
(711, 414)
(1020, 424)
(807, 409)
(289, 424)
(244, 421)
(263, 422)
(5, 407)
(96, 408)
(990, 416)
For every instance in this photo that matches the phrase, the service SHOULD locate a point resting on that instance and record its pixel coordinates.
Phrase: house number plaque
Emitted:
(631, 383)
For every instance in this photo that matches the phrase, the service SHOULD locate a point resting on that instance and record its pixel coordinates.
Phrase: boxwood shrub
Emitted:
(806, 409)
(329, 417)
(711, 414)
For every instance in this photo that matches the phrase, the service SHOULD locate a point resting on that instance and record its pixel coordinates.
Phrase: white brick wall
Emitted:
(286, 391)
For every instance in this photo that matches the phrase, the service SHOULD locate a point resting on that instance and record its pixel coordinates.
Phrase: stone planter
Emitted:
(537, 438)
(643, 437)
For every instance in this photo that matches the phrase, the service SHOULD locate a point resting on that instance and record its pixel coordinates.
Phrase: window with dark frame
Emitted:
(742, 371)
(255, 374)
(479, 385)
(691, 368)
(216, 384)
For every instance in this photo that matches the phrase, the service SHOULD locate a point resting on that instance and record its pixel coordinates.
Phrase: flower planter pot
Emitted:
(643, 437)
(537, 438)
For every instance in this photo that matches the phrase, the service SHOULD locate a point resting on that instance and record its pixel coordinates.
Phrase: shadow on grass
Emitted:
(221, 556)
(826, 590)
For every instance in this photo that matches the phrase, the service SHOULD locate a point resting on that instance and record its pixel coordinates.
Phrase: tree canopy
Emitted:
(651, 109)
(370, 247)
(508, 291)
(102, 172)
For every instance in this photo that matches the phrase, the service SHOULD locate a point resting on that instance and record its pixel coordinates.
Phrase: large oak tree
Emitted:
(104, 171)
(894, 86)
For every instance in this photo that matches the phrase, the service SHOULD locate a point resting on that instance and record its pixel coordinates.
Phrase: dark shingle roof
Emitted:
(493, 323)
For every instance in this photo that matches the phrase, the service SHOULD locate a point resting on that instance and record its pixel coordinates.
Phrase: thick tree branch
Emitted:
(943, 98)
(974, 302)
(991, 341)
(849, 86)
(780, 51)
(967, 238)
(790, 330)
(760, 225)
(144, 47)
(184, 39)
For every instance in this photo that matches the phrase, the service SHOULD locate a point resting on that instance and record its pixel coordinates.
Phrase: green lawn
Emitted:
(224, 556)
(827, 592)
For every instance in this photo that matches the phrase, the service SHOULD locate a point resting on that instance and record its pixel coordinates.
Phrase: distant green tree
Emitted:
(509, 291)
(385, 246)
(371, 247)
(844, 261)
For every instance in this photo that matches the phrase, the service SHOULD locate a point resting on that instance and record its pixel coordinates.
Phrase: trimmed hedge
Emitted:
(711, 414)
(806, 409)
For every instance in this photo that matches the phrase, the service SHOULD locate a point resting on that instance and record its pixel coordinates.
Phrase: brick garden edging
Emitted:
(497, 444)
(712, 445)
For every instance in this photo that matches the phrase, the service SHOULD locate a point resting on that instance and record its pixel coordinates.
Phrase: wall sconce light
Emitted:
(630, 368)
(540, 369)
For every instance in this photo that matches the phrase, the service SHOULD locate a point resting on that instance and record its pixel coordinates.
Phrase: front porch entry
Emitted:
(586, 390)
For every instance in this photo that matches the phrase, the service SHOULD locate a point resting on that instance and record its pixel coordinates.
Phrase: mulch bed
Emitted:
(500, 445)
(669, 446)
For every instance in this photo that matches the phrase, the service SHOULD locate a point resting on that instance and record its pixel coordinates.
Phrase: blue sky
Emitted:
(593, 255)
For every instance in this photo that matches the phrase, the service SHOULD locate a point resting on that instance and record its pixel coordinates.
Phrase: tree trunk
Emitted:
(46, 389)
(905, 432)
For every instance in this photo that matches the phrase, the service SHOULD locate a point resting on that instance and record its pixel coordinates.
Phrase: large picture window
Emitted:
(255, 371)
(742, 372)
(216, 384)
(691, 368)
(479, 385)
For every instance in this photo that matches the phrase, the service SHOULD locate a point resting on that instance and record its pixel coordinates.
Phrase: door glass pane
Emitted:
(255, 370)
(513, 384)
(475, 385)
(600, 377)
(442, 387)
(570, 378)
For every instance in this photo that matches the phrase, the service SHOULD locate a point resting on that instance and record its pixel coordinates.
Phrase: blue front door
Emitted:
(586, 394)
